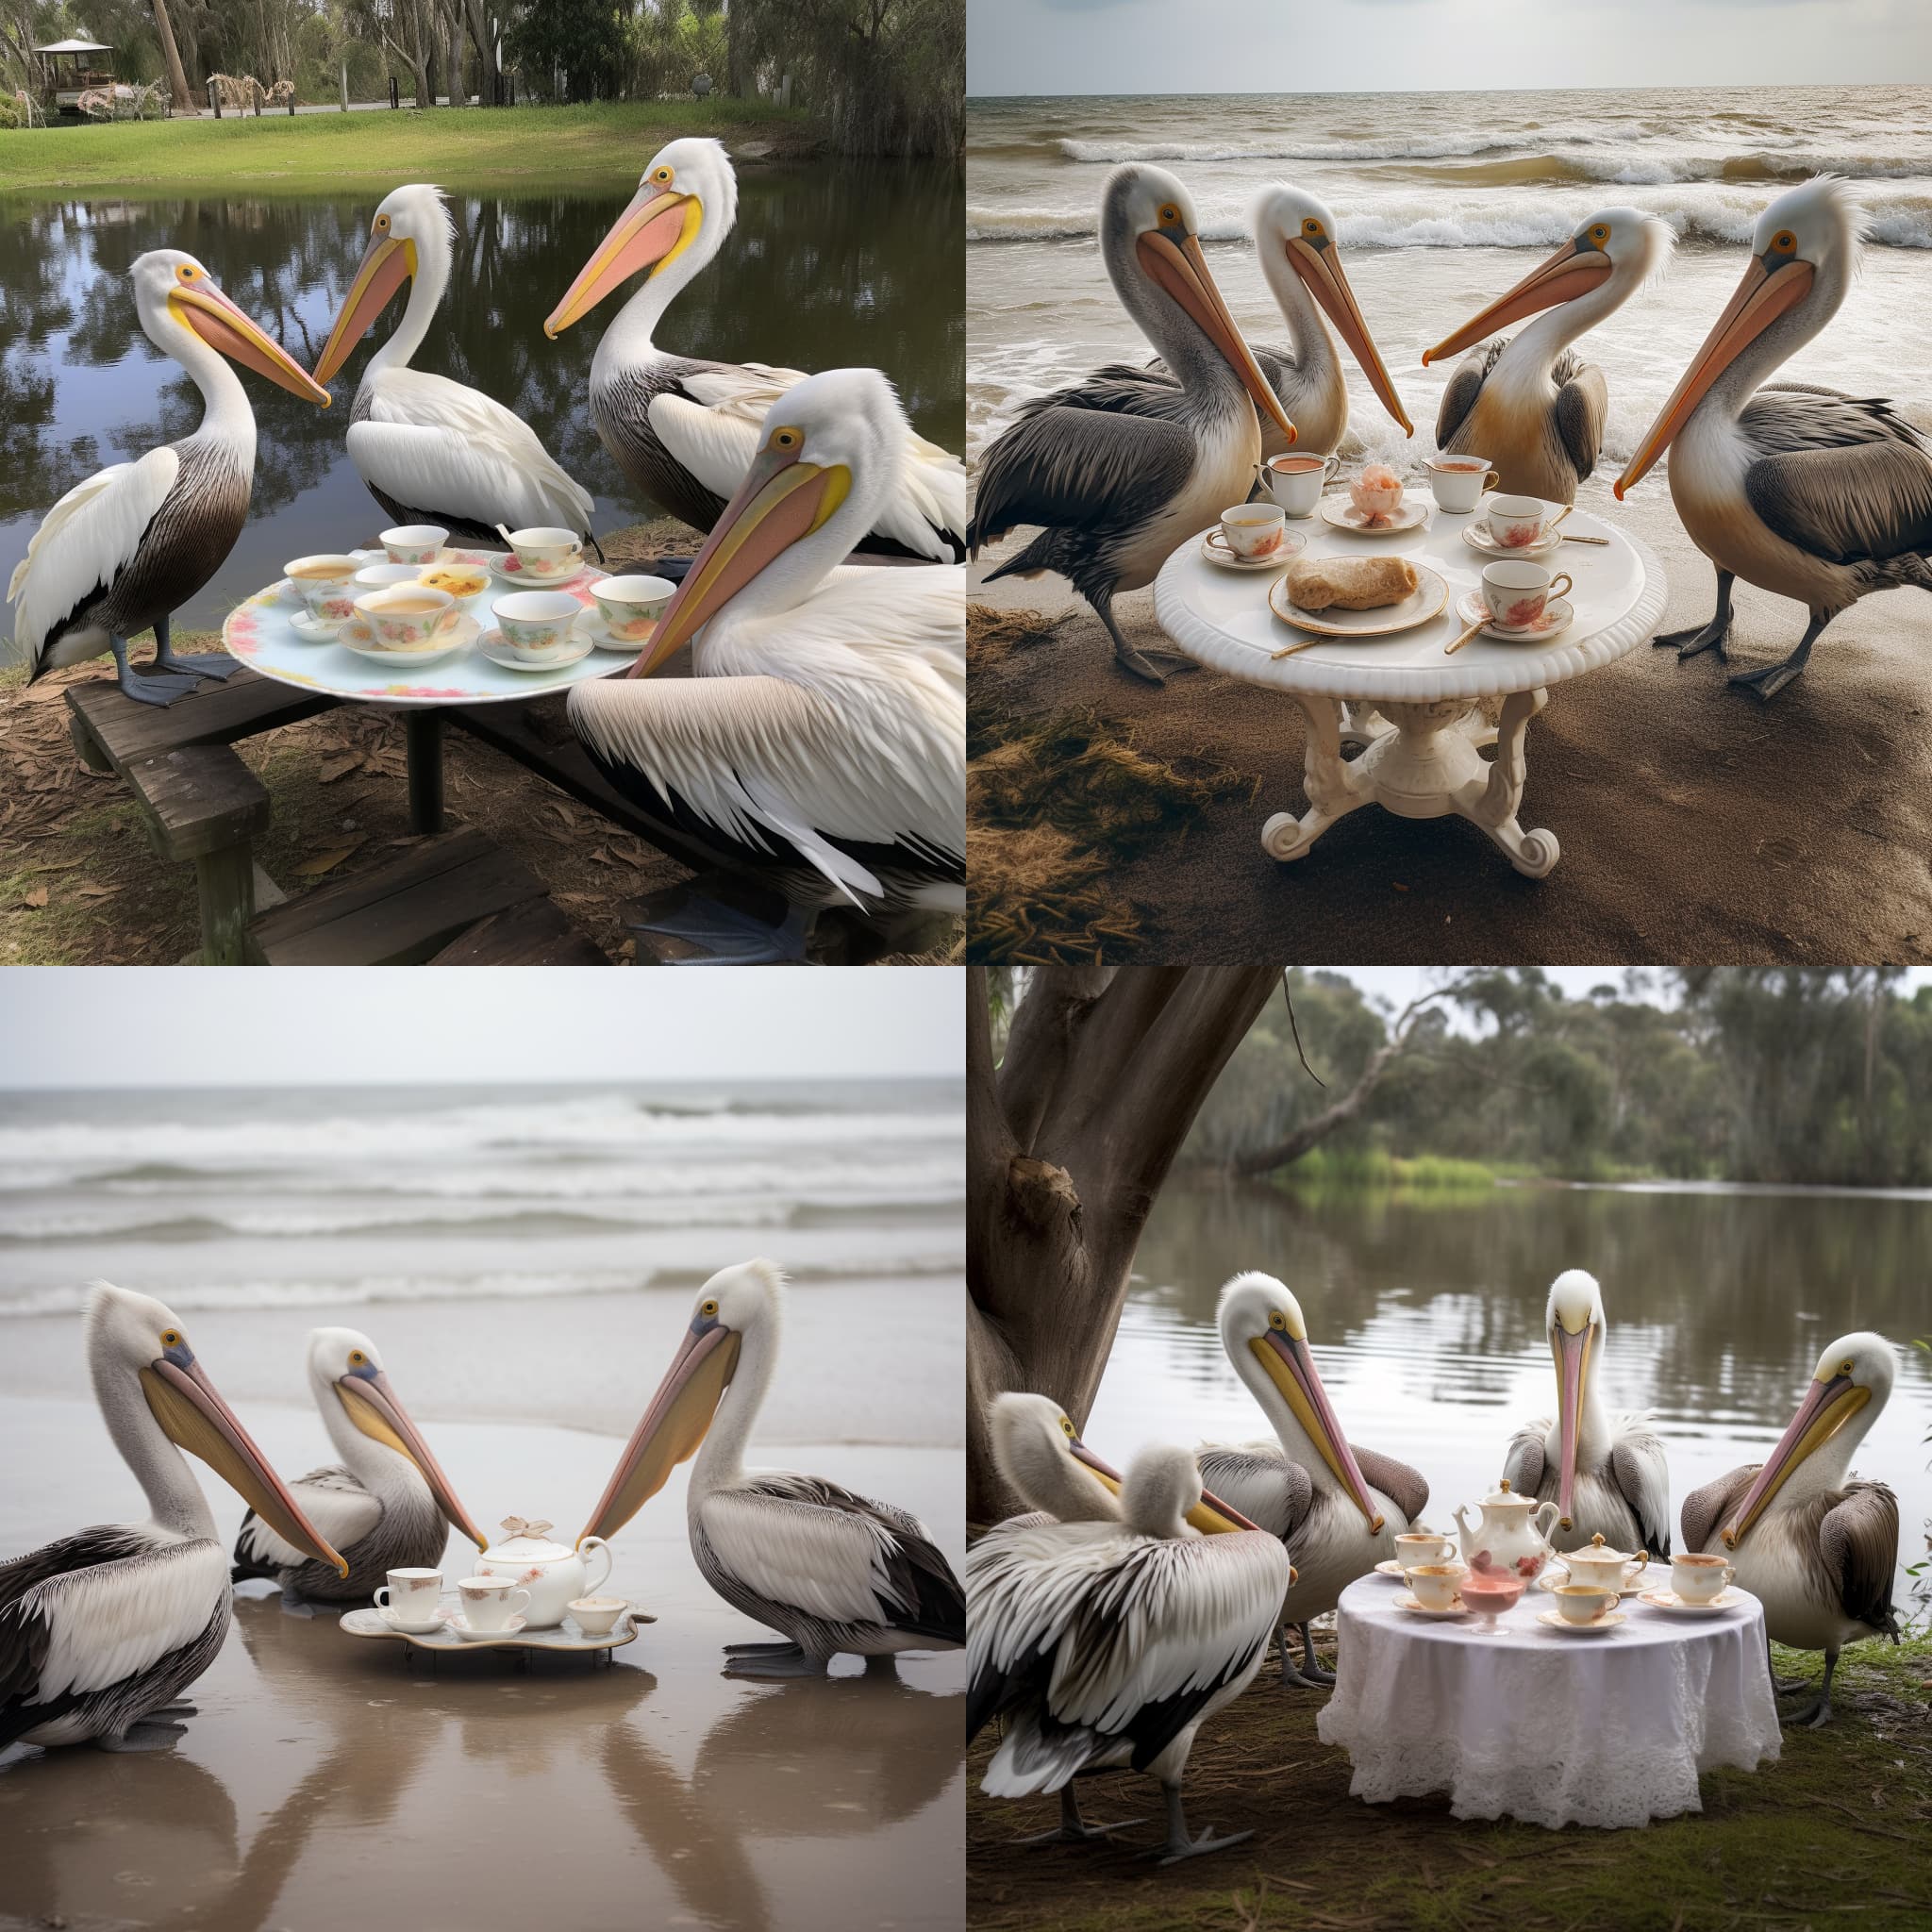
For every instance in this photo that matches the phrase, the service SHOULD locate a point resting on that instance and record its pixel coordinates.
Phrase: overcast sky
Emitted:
(168, 1026)
(1380, 46)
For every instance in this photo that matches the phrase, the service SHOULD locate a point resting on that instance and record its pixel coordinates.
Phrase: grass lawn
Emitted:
(609, 140)
(1832, 1836)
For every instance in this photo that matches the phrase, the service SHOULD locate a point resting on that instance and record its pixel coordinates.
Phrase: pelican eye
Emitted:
(1170, 215)
(1844, 1368)
(1311, 227)
(709, 1309)
(1784, 241)
(1277, 1320)
(1600, 234)
(382, 224)
(661, 177)
(185, 272)
(1066, 1425)
(171, 1338)
(786, 439)
(356, 1358)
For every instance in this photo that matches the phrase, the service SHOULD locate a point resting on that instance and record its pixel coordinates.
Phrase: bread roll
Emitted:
(1349, 583)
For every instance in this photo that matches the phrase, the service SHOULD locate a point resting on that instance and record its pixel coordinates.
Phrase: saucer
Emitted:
(1555, 619)
(591, 625)
(1557, 1621)
(443, 1614)
(1405, 1602)
(1727, 1599)
(1339, 512)
(462, 1628)
(1214, 548)
(576, 648)
(1558, 1576)
(356, 636)
(317, 631)
(1393, 1568)
(523, 579)
(1478, 538)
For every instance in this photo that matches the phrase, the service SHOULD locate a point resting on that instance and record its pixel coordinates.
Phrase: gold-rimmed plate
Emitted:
(1341, 514)
(1428, 597)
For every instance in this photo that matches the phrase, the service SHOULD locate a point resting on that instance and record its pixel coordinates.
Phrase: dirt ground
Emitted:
(1697, 824)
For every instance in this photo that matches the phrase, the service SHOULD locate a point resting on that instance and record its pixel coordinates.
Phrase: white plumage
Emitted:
(334, 1501)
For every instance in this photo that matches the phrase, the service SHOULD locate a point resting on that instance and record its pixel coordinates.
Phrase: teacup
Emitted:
(536, 623)
(405, 617)
(596, 1616)
(322, 584)
(546, 552)
(1457, 482)
(1698, 1578)
(410, 1598)
(1517, 593)
(630, 606)
(1516, 521)
(1252, 530)
(1295, 481)
(1583, 1602)
(1435, 1584)
(468, 583)
(491, 1602)
(379, 577)
(1603, 1569)
(414, 542)
(1376, 500)
(1413, 1546)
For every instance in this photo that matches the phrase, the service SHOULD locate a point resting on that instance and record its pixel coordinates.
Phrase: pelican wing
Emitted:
(1059, 465)
(1583, 406)
(1524, 1463)
(1866, 496)
(438, 446)
(1459, 395)
(817, 1547)
(1641, 1472)
(84, 542)
(1405, 1486)
(1257, 1479)
(1707, 1510)
(1860, 1541)
(333, 1500)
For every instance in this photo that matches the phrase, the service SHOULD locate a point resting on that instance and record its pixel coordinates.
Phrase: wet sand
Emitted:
(1696, 822)
(326, 1784)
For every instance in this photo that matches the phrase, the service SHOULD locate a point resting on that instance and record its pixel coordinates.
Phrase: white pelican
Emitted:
(102, 1630)
(1801, 490)
(1114, 493)
(1105, 1646)
(1531, 405)
(433, 451)
(121, 552)
(1308, 1488)
(831, 1570)
(1816, 1546)
(1606, 1474)
(824, 735)
(684, 429)
(1295, 243)
(388, 1505)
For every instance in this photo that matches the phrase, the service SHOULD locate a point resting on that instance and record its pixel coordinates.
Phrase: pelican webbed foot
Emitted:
(1179, 1845)
(774, 1660)
(1768, 682)
(1127, 657)
(1816, 1714)
(1704, 637)
(1073, 1829)
(727, 936)
(294, 1603)
(145, 1733)
(145, 691)
(215, 664)
(783, 1647)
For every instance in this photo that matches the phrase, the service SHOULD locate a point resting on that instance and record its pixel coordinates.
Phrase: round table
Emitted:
(1414, 710)
(1608, 1729)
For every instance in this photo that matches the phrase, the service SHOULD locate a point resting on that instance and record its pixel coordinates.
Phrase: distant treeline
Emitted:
(1756, 1074)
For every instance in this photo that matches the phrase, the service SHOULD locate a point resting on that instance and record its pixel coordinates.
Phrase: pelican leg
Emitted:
(145, 691)
(1179, 1845)
(1777, 1683)
(782, 1648)
(1816, 1714)
(1292, 1678)
(1311, 1669)
(217, 664)
(791, 1661)
(1774, 677)
(144, 1734)
(293, 1603)
(729, 935)
(1130, 659)
(1709, 637)
(1073, 1829)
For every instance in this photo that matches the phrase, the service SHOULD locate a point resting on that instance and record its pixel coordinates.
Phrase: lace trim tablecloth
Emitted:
(1610, 1729)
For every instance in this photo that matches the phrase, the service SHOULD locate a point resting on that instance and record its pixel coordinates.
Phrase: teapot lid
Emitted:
(1597, 1547)
(524, 1539)
(1502, 1498)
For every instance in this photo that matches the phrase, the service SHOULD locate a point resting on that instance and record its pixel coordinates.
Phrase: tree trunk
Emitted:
(170, 60)
(1067, 1145)
(453, 64)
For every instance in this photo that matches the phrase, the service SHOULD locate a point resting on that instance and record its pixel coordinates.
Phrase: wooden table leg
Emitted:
(422, 734)
(226, 880)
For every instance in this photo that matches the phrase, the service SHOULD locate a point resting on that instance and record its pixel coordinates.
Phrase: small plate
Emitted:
(356, 636)
(461, 1626)
(1405, 1602)
(1725, 1599)
(1393, 1568)
(1478, 538)
(1556, 617)
(1338, 512)
(1557, 1621)
(1214, 548)
(522, 579)
(1556, 1577)
(575, 649)
(1422, 603)
(317, 631)
(591, 625)
(443, 1614)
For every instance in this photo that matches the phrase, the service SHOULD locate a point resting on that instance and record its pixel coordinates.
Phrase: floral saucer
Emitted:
(461, 1625)
(1558, 1576)
(518, 576)
(1557, 1621)
(316, 630)
(493, 646)
(1478, 538)
(1669, 1600)
(1405, 1602)
(1214, 548)
(1342, 515)
(591, 625)
(356, 636)
(1555, 619)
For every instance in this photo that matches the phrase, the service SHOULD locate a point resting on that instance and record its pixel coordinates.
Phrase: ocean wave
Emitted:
(1392, 148)
(1643, 170)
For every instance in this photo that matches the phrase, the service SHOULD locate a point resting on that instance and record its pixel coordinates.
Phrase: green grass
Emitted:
(1348, 1168)
(610, 140)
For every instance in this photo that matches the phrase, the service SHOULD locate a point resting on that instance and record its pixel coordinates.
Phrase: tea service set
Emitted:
(525, 1582)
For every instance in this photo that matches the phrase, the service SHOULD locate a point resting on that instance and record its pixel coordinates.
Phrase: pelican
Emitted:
(684, 429)
(1531, 405)
(1106, 1644)
(831, 1570)
(1295, 243)
(1114, 493)
(825, 734)
(388, 1505)
(1816, 1546)
(121, 552)
(100, 1631)
(1308, 1488)
(1606, 1474)
(431, 449)
(1801, 490)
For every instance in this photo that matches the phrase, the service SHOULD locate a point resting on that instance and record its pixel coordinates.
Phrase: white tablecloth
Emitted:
(1610, 1729)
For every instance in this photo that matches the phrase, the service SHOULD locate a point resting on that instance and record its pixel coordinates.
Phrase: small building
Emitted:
(72, 68)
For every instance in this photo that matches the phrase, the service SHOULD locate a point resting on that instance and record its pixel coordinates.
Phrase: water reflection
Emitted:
(866, 266)
(1425, 1307)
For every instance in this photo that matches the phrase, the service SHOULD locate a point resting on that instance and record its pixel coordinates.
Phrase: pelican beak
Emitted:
(1180, 269)
(1291, 1369)
(197, 1419)
(673, 1427)
(222, 327)
(1210, 1515)
(1762, 296)
(388, 262)
(651, 233)
(374, 1407)
(1568, 273)
(1572, 1369)
(1827, 1407)
(1321, 269)
(782, 499)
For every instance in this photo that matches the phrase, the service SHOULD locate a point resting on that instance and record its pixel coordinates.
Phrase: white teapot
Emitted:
(554, 1574)
(1514, 1534)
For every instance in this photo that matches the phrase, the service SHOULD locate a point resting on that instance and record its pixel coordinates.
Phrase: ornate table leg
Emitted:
(1334, 786)
(1492, 803)
(1363, 723)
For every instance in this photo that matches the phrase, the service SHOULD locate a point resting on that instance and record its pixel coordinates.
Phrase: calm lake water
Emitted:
(822, 269)
(1426, 1317)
